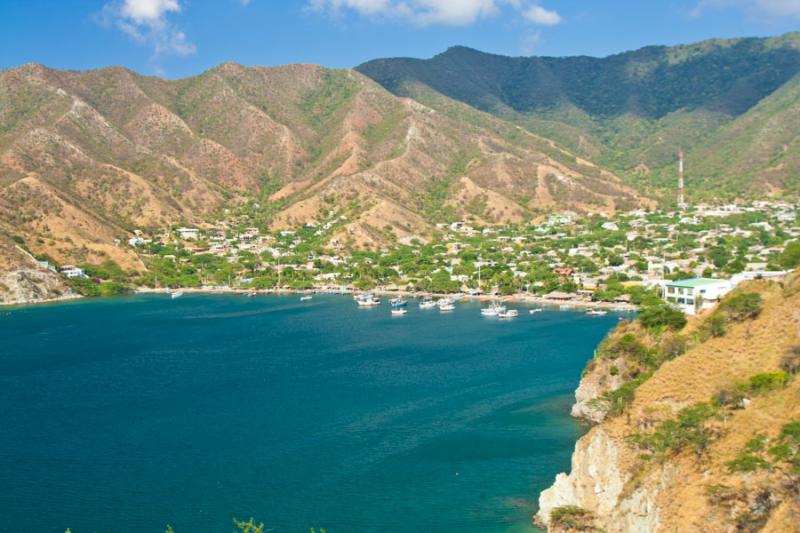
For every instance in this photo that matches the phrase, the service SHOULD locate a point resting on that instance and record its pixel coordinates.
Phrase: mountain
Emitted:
(731, 103)
(87, 157)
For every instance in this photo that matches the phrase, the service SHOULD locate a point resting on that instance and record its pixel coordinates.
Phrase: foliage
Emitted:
(572, 517)
(790, 257)
(790, 362)
(750, 459)
(787, 447)
(249, 527)
(715, 325)
(742, 306)
(768, 381)
(618, 400)
(662, 315)
(689, 431)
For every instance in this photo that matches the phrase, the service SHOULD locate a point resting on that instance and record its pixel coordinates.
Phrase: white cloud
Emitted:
(763, 9)
(146, 22)
(442, 12)
(539, 15)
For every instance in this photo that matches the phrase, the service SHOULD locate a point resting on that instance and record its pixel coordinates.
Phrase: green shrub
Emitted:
(768, 381)
(662, 315)
(618, 400)
(715, 325)
(687, 431)
(572, 517)
(787, 448)
(749, 459)
(743, 306)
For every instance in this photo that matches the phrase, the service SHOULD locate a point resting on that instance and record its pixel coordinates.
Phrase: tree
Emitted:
(790, 257)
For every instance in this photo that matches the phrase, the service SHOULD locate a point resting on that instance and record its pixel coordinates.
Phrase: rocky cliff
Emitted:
(23, 281)
(703, 438)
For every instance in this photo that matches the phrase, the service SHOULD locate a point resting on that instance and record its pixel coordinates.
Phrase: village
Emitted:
(689, 258)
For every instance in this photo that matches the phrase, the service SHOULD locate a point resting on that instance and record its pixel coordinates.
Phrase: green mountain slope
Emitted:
(632, 111)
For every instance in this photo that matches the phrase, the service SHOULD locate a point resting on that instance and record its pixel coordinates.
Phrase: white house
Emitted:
(693, 295)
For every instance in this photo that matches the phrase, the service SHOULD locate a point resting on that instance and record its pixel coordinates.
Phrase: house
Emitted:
(188, 234)
(695, 294)
(72, 271)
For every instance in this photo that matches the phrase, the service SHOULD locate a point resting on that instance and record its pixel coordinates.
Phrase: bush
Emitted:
(790, 362)
(715, 325)
(572, 517)
(618, 400)
(729, 397)
(790, 257)
(787, 448)
(662, 315)
(687, 431)
(743, 306)
(768, 381)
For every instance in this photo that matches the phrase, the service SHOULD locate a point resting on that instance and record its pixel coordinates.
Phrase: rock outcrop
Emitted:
(678, 454)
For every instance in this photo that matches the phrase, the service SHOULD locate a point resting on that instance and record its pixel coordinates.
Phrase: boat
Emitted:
(399, 311)
(509, 313)
(493, 310)
(534, 311)
(305, 298)
(596, 312)
(368, 300)
(251, 294)
(398, 302)
(176, 294)
(427, 303)
(445, 305)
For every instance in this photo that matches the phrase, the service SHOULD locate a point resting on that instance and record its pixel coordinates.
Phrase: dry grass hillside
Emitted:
(85, 157)
(711, 441)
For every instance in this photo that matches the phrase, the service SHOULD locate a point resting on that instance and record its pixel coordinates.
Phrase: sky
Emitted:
(177, 38)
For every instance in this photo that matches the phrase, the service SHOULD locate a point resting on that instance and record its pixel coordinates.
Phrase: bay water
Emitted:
(124, 415)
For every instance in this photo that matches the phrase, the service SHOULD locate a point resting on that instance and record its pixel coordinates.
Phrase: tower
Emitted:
(681, 199)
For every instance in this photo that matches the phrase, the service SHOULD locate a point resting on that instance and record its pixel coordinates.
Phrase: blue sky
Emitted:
(175, 38)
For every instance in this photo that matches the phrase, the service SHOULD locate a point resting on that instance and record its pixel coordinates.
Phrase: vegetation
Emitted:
(688, 431)
(662, 316)
(572, 517)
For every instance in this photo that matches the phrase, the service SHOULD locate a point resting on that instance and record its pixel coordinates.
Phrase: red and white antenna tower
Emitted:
(681, 199)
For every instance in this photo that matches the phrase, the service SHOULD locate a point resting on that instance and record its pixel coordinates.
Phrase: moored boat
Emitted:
(509, 313)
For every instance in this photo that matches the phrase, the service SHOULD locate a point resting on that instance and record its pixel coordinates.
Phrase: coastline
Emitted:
(522, 299)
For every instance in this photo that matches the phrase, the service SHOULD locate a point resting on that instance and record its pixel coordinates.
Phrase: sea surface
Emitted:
(125, 415)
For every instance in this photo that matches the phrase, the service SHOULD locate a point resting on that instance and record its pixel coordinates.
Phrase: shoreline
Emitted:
(522, 299)
(519, 299)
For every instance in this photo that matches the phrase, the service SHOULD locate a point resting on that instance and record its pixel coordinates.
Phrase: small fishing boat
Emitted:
(493, 310)
(445, 305)
(368, 300)
(534, 311)
(509, 313)
(399, 311)
(176, 294)
(251, 294)
(427, 303)
(596, 312)
(398, 302)
(305, 298)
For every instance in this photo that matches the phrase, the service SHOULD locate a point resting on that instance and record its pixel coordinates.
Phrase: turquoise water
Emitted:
(124, 415)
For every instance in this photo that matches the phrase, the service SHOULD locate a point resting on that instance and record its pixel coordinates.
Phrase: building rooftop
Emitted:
(694, 282)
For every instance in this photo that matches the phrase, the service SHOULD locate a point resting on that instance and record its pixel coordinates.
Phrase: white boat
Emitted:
(534, 311)
(305, 298)
(509, 313)
(399, 311)
(368, 300)
(176, 294)
(596, 312)
(445, 305)
(427, 303)
(493, 310)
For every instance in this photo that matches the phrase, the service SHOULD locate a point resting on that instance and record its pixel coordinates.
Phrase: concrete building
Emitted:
(693, 295)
